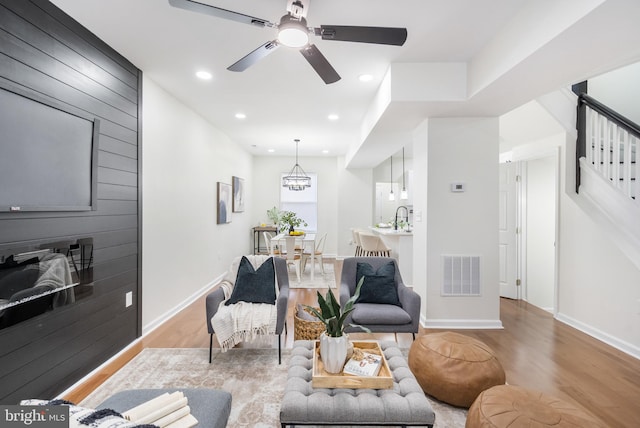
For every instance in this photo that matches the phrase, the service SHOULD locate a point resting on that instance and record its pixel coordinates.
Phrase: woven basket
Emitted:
(306, 330)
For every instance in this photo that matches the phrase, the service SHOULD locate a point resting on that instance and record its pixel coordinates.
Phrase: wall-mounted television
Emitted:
(48, 154)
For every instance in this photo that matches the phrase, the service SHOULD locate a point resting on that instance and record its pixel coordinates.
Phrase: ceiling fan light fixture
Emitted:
(293, 32)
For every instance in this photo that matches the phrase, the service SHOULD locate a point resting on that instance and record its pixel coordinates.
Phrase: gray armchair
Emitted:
(217, 296)
(380, 318)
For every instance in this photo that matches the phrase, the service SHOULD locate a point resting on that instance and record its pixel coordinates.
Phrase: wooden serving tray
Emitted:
(321, 379)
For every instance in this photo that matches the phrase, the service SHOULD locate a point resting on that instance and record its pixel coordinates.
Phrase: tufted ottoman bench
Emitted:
(403, 405)
(515, 407)
(454, 368)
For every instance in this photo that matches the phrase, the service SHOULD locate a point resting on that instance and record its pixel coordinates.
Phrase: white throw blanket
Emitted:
(242, 321)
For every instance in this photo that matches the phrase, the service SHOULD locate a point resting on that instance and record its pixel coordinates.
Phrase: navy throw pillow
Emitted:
(379, 285)
(254, 286)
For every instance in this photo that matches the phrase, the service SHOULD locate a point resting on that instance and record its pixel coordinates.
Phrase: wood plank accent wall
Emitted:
(44, 51)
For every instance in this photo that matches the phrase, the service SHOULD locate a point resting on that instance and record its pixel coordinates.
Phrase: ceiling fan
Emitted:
(293, 32)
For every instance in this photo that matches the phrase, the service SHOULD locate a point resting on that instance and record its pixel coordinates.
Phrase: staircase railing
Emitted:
(609, 142)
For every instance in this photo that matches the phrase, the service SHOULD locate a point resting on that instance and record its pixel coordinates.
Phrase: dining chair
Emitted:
(271, 248)
(317, 253)
(293, 257)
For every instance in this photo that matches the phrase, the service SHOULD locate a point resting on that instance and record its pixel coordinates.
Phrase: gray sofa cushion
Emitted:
(210, 407)
(374, 313)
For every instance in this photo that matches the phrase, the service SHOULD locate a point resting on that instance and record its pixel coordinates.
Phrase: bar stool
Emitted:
(356, 240)
(373, 245)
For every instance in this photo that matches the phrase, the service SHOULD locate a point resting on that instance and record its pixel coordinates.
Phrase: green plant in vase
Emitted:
(290, 220)
(333, 341)
(274, 215)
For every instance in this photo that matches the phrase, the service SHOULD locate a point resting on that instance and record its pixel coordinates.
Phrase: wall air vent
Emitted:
(460, 275)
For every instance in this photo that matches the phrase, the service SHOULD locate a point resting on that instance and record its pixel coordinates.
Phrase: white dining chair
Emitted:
(317, 253)
(271, 247)
(293, 257)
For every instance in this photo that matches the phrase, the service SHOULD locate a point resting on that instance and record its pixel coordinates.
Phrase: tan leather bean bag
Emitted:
(454, 368)
(516, 407)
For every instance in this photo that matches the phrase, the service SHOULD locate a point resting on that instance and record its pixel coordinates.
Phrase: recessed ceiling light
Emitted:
(333, 117)
(325, 151)
(204, 75)
(365, 78)
(241, 116)
(270, 150)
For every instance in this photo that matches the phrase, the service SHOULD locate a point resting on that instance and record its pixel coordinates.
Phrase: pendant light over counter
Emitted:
(297, 179)
(392, 197)
(404, 195)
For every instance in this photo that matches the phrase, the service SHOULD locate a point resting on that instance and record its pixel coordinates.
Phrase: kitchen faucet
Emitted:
(406, 210)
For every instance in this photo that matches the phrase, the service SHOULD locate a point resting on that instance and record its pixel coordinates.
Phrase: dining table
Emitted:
(308, 244)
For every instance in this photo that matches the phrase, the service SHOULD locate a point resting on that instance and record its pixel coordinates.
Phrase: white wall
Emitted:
(266, 191)
(597, 283)
(354, 204)
(619, 90)
(460, 150)
(540, 194)
(183, 249)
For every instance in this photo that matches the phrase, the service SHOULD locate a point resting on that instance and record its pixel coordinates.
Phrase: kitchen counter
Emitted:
(391, 231)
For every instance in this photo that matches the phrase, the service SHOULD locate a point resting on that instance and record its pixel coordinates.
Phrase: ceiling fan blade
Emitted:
(379, 35)
(207, 9)
(320, 64)
(255, 56)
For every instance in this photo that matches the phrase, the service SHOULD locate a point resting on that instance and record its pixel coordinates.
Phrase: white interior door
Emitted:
(508, 250)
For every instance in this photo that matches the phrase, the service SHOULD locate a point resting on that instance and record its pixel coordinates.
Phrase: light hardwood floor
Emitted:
(536, 351)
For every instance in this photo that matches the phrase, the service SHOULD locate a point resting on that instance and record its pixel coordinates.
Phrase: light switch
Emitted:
(457, 187)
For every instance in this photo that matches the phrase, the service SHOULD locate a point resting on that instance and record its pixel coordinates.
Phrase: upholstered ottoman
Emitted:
(515, 407)
(454, 368)
(403, 405)
(210, 407)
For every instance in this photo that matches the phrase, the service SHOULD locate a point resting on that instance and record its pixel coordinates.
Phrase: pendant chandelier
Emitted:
(403, 194)
(392, 197)
(297, 179)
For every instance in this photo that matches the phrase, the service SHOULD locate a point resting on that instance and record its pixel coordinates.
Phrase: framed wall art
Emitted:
(224, 203)
(238, 194)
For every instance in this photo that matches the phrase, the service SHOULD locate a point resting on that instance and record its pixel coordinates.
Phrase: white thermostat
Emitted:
(457, 187)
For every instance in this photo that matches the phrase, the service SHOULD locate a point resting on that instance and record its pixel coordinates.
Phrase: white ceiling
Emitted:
(511, 52)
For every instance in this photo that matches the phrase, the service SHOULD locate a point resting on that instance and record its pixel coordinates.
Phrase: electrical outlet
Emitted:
(128, 299)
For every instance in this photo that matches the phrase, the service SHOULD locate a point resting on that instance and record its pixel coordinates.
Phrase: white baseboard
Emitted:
(453, 324)
(146, 330)
(623, 346)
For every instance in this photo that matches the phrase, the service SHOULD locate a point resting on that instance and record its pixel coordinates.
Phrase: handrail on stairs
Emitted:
(585, 101)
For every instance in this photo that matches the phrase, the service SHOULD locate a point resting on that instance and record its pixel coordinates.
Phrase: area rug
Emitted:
(252, 376)
(320, 280)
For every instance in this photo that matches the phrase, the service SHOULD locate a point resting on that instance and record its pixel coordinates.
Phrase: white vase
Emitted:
(333, 352)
